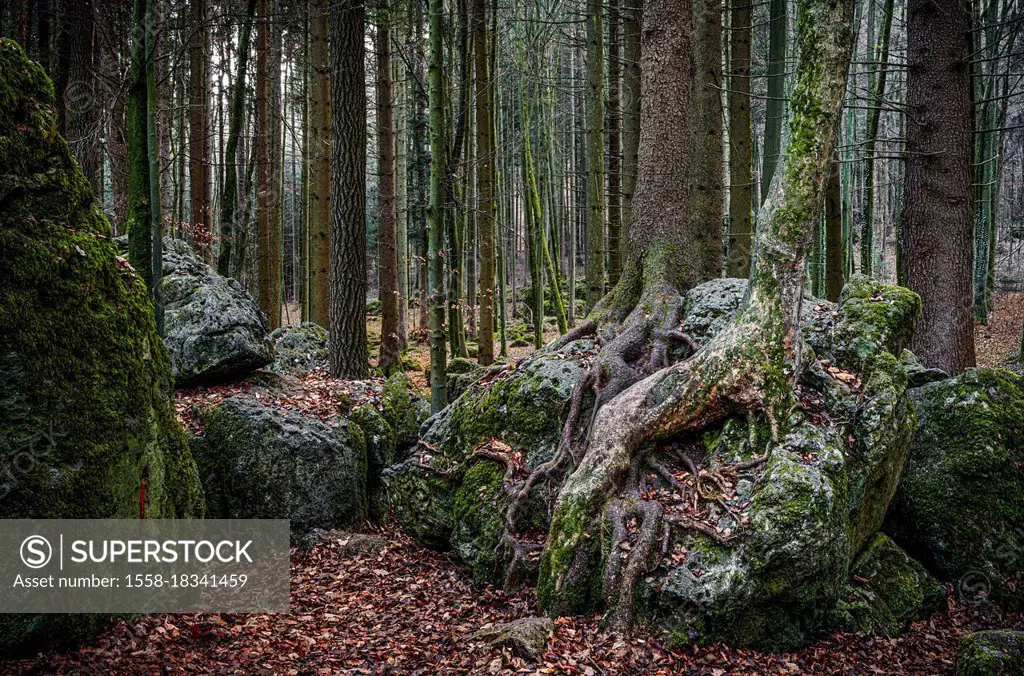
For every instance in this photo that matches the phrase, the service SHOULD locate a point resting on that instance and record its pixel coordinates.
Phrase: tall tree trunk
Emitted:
(707, 132)
(199, 131)
(266, 138)
(485, 203)
(231, 211)
(435, 212)
(348, 191)
(153, 152)
(594, 104)
(877, 86)
(390, 358)
(77, 98)
(320, 167)
(631, 13)
(741, 179)
(399, 75)
(140, 228)
(835, 264)
(614, 147)
(936, 256)
(775, 108)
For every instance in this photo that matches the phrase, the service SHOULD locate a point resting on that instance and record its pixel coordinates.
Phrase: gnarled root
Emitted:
(630, 558)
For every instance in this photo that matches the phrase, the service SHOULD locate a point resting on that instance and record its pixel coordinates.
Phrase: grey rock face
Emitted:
(300, 348)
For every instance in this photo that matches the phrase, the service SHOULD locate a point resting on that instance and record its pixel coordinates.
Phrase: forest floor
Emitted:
(398, 608)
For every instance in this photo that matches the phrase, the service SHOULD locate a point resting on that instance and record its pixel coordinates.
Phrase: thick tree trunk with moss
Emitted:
(750, 366)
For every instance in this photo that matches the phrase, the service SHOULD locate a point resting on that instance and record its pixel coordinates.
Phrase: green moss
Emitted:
(557, 592)
(991, 653)
(898, 591)
(874, 317)
(85, 381)
(479, 505)
(960, 505)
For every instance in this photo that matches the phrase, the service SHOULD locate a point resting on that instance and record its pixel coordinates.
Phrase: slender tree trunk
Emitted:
(741, 179)
(153, 152)
(199, 131)
(390, 357)
(231, 212)
(269, 222)
(706, 152)
(867, 252)
(614, 147)
(485, 203)
(937, 232)
(835, 265)
(399, 81)
(775, 108)
(140, 229)
(594, 104)
(435, 214)
(631, 14)
(320, 167)
(348, 191)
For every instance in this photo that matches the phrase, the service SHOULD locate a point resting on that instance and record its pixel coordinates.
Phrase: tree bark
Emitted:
(877, 85)
(320, 166)
(937, 253)
(775, 107)
(435, 212)
(631, 14)
(835, 264)
(485, 204)
(594, 105)
(348, 191)
(741, 180)
(614, 146)
(390, 358)
(199, 132)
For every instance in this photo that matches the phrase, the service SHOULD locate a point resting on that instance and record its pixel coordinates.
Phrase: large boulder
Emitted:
(214, 329)
(803, 514)
(86, 397)
(887, 590)
(278, 450)
(300, 348)
(995, 652)
(960, 504)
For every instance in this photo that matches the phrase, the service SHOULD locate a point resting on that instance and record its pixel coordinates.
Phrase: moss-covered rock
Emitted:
(960, 504)
(300, 348)
(887, 591)
(258, 462)
(461, 374)
(991, 653)
(86, 398)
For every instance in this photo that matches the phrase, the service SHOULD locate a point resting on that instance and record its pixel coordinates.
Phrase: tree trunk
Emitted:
(199, 132)
(390, 357)
(706, 151)
(877, 86)
(140, 230)
(485, 202)
(231, 213)
(153, 152)
(936, 254)
(775, 107)
(594, 105)
(741, 180)
(835, 265)
(631, 14)
(320, 166)
(614, 147)
(266, 137)
(76, 84)
(435, 213)
(348, 191)
(751, 365)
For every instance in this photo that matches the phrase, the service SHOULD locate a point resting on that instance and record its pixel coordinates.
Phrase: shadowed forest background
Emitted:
(592, 336)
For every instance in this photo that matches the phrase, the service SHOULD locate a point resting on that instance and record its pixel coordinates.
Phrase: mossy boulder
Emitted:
(960, 505)
(991, 653)
(261, 462)
(300, 348)
(445, 498)
(887, 590)
(461, 374)
(86, 397)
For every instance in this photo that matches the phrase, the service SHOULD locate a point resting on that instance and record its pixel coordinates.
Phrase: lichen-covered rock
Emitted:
(259, 462)
(808, 510)
(86, 398)
(300, 348)
(214, 329)
(887, 591)
(960, 505)
(445, 498)
(461, 374)
(526, 637)
(991, 653)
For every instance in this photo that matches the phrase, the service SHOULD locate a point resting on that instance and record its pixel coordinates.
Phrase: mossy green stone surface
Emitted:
(960, 504)
(991, 653)
(86, 399)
